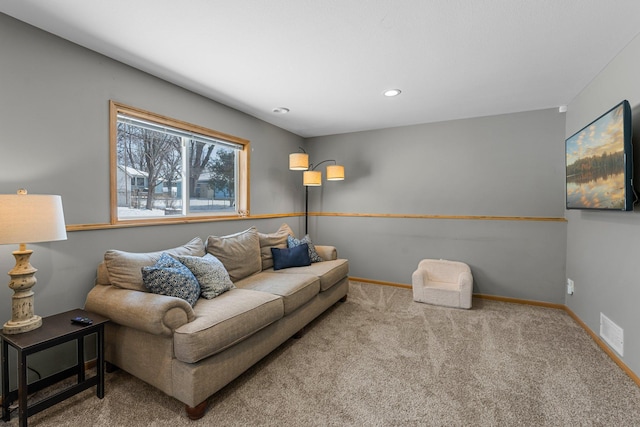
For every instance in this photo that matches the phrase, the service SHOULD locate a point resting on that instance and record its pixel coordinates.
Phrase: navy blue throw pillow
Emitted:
(291, 257)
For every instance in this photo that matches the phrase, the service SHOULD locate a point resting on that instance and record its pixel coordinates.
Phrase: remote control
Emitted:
(82, 320)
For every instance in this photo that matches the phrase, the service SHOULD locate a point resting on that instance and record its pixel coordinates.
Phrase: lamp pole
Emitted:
(306, 196)
(306, 209)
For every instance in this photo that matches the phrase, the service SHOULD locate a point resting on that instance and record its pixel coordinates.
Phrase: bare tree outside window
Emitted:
(199, 155)
(154, 154)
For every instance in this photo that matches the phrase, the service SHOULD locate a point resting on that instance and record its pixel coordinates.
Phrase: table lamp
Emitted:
(26, 218)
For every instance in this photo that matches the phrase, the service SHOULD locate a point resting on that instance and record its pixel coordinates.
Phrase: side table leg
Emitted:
(22, 389)
(80, 358)
(6, 415)
(100, 367)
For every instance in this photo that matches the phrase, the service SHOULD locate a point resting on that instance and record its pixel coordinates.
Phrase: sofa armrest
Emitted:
(327, 253)
(148, 312)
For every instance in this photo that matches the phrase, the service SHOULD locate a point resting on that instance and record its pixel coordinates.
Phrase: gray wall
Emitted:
(602, 253)
(54, 116)
(508, 165)
(54, 99)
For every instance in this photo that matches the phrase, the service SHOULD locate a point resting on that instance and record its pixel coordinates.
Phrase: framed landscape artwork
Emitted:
(599, 163)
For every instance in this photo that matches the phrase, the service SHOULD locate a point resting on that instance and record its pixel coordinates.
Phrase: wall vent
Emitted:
(612, 334)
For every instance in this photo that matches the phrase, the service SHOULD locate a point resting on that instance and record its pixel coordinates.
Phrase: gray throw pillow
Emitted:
(212, 276)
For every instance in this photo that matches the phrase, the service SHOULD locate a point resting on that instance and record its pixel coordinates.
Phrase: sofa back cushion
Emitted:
(273, 240)
(125, 268)
(102, 277)
(239, 252)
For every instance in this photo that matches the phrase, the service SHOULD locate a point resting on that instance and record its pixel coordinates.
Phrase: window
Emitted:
(164, 169)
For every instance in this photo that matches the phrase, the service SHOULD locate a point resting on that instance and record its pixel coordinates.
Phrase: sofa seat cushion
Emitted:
(224, 321)
(295, 289)
(329, 272)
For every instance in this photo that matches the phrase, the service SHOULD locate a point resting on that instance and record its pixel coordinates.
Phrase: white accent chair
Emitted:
(442, 282)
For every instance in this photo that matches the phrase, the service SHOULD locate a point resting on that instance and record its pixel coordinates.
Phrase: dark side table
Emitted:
(55, 330)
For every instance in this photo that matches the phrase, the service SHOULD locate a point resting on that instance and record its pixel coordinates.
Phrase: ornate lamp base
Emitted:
(22, 280)
(12, 328)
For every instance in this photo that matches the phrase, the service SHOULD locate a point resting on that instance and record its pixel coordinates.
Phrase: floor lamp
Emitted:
(312, 177)
(27, 219)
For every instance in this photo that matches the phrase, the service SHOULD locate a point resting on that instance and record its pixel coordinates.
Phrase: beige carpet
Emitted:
(381, 359)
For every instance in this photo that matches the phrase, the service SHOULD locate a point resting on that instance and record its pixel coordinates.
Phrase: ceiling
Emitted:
(329, 61)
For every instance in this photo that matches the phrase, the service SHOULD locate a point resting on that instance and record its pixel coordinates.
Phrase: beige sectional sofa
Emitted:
(190, 352)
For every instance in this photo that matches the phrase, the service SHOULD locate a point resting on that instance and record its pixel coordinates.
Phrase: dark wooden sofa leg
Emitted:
(197, 412)
(343, 299)
(299, 334)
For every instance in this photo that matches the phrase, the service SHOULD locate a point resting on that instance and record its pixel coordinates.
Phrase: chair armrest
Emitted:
(148, 312)
(419, 278)
(327, 253)
(465, 280)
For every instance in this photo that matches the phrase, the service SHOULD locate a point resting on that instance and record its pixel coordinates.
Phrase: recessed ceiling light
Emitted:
(280, 110)
(392, 92)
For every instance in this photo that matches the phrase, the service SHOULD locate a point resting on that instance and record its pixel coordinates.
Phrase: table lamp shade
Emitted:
(31, 218)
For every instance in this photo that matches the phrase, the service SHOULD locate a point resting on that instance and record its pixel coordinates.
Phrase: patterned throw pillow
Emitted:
(211, 274)
(169, 277)
(297, 256)
(313, 255)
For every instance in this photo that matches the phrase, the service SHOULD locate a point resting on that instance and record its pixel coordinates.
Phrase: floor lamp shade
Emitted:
(27, 219)
(335, 173)
(298, 161)
(312, 178)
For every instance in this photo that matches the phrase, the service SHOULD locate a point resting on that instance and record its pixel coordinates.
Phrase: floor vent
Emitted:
(612, 334)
